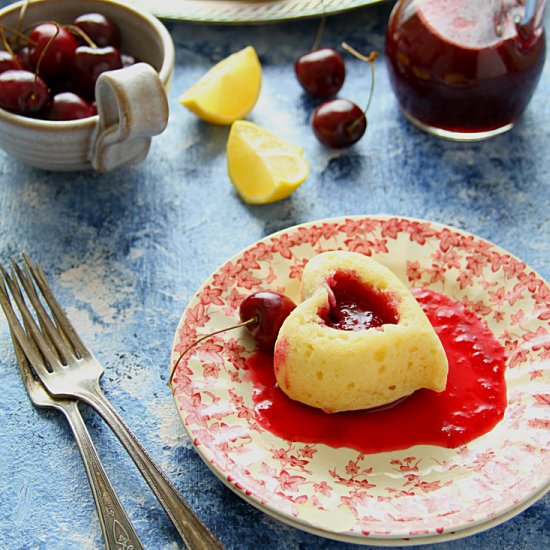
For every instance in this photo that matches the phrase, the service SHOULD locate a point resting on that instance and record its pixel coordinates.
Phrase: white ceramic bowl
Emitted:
(132, 106)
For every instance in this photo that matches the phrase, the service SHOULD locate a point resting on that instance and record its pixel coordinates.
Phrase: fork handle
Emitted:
(117, 529)
(193, 531)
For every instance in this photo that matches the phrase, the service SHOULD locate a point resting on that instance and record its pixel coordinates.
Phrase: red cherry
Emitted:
(102, 31)
(69, 106)
(8, 62)
(270, 310)
(338, 123)
(23, 93)
(321, 72)
(53, 50)
(89, 63)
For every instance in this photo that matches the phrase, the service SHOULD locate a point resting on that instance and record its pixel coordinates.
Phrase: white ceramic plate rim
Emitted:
(388, 542)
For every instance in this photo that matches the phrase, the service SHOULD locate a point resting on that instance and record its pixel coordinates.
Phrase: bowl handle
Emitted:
(132, 106)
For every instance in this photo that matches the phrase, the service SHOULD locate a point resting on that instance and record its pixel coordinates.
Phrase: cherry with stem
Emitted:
(262, 313)
(23, 92)
(321, 71)
(54, 51)
(98, 28)
(339, 123)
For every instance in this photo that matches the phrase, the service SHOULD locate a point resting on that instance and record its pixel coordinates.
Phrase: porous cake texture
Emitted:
(341, 370)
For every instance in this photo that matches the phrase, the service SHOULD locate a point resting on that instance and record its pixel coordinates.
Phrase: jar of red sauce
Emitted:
(465, 69)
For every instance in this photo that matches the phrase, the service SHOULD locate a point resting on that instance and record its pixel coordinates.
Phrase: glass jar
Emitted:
(465, 69)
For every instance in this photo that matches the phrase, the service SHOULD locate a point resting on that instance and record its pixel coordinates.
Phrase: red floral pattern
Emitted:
(423, 492)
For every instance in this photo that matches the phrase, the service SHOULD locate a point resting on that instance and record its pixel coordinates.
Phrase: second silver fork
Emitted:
(68, 368)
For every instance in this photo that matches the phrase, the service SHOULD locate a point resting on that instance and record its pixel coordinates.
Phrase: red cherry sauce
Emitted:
(356, 306)
(463, 65)
(472, 403)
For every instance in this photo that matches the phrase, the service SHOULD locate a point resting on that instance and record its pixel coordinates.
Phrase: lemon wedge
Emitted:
(228, 91)
(262, 167)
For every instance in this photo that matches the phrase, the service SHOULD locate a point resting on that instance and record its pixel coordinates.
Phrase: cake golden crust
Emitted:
(340, 370)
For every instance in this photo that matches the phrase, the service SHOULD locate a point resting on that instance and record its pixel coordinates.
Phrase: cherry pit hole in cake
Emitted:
(353, 305)
(472, 403)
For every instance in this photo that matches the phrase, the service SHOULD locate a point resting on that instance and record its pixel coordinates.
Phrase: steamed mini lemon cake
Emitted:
(358, 340)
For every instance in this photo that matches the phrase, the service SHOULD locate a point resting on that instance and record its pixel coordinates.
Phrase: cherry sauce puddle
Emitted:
(473, 402)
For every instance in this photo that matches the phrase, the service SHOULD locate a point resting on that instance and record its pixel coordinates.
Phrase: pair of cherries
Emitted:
(51, 71)
(337, 122)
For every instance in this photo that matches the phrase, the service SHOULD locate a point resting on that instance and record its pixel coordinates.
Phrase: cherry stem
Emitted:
(28, 28)
(320, 31)
(369, 59)
(79, 32)
(20, 17)
(5, 42)
(17, 33)
(250, 321)
(44, 50)
(8, 48)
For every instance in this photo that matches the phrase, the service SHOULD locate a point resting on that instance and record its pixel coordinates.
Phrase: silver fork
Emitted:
(67, 368)
(118, 531)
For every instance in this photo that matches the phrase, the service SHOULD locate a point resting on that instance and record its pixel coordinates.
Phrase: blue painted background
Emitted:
(125, 252)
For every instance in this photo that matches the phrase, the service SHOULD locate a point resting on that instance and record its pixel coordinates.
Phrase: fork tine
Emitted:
(35, 389)
(22, 359)
(26, 343)
(24, 365)
(33, 329)
(52, 334)
(60, 317)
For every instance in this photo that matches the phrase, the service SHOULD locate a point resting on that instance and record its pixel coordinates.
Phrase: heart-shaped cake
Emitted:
(358, 340)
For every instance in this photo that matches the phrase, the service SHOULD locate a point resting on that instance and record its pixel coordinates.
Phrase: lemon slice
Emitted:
(228, 91)
(263, 167)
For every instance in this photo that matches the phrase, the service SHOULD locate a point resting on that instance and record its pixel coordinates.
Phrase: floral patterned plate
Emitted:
(418, 495)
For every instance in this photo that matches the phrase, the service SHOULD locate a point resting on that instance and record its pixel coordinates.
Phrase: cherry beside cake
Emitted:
(358, 340)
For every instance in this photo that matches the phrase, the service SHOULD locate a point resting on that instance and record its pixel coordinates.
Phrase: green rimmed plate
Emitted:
(247, 11)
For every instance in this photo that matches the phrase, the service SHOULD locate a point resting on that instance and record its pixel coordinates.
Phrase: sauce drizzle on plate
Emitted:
(473, 402)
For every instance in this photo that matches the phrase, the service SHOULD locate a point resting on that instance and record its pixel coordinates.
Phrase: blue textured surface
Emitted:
(126, 251)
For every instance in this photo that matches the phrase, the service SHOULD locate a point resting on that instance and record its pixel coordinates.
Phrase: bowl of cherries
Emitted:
(83, 84)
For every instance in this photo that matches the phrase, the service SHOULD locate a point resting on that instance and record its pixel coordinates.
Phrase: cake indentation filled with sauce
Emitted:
(354, 305)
